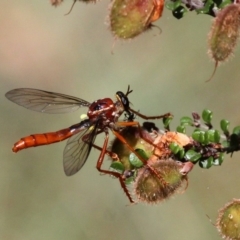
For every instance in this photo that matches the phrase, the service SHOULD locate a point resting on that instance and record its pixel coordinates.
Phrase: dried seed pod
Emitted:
(228, 221)
(163, 144)
(224, 33)
(150, 189)
(129, 18)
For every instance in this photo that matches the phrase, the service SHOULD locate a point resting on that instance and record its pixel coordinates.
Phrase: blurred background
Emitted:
(41, 48)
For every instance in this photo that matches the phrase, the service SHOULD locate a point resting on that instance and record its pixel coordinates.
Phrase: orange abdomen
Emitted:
(42, 139)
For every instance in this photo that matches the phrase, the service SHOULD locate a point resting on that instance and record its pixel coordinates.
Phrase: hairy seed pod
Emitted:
(149, 188)
(228, 221)
(129, 18)
(224, 33)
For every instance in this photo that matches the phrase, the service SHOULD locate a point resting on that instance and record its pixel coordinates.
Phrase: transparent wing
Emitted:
(77, 150)
(43, 101)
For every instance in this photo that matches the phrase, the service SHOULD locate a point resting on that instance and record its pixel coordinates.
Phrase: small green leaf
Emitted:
(170, 5)
(186, 121)
(129, 180)
(207, 137)
(195, 134)
(236, 130)
(173, 5)
(218, 161)
(181, 129)
(167, 121)
(142, 153)
(181, 153)
(202, 137)
(211, 135)
(117, 166)
(207, 116)
(225, 143)
(207, 163)
(192, 156)
(207, 7)
(198, 136)
(217, 136)
(174, 147)
(135, 161)
(224, 124)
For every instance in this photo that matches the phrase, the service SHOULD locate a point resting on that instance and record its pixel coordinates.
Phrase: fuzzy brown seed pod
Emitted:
(149, 188)
(228, 221)
(224, 33)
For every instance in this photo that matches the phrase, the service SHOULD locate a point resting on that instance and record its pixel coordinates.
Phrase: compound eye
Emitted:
(97, 107)
(124, 99)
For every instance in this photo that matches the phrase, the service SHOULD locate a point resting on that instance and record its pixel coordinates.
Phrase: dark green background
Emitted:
(41, 48)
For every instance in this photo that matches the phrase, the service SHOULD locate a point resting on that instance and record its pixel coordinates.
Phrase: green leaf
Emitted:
(224, 124)
(117, 166)
(199, 136)
(207, 116)
(218, 161)
(173, 5)
(170, 5)
(181, 129)
(225, 143)
(212, 136)
(142, 153)
(135, 161)
(236, 130)
(207, 163)
(207, 7)
(186, 121)
(129, 180)
(167, 121)
(181, 153)
(207, 136)
(192, 156)
(174, 147)
(217, 136)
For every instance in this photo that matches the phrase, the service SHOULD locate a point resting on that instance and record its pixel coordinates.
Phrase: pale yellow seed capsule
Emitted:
(228, 221)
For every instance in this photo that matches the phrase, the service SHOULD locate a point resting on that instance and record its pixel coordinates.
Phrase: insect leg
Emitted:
(115, 174)
(123, 140)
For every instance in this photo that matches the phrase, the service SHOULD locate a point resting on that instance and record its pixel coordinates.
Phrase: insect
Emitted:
(103, 115)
